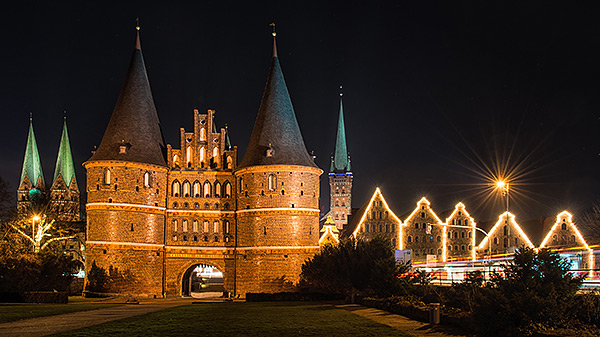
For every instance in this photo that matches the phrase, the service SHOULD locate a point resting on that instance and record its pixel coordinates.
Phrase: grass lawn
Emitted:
(243, 319)
(13, 312)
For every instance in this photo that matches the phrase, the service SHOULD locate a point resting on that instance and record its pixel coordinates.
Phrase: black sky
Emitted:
(433, 91)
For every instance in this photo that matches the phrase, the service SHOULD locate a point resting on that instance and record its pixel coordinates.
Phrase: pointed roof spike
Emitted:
(134, 120)
(32, 165)
(64, 161)
(214, 124)
(138, 44)
(274, 33)
(227, 141)
(341, 157)
(276, 124)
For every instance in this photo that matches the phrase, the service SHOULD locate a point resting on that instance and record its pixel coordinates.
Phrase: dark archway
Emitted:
(201, 278)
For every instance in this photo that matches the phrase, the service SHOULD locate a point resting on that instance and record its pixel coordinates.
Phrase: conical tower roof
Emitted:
(64, 161)
(341, 160)
(134, 133)
(32, 165)
(276, 138)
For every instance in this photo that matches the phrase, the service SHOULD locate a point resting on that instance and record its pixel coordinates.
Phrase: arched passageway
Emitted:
(202, 279)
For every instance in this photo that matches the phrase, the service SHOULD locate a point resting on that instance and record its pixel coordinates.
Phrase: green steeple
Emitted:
(64, 161)
(32, 165)
(227, 141)
(341, 160)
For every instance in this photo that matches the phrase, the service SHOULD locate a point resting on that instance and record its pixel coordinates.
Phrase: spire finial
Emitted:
(138, 45)
(341, 91)
(274, 33)
(30, 116)
(65, 115)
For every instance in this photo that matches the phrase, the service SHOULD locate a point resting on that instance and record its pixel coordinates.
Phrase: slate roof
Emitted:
(32, 165)
(134, 122)
(64, 161)
(276, 138)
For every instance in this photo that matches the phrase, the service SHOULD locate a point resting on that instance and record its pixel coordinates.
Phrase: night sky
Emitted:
(437, 95)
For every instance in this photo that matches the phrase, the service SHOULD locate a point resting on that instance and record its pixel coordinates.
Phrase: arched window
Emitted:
(495, 241)
(202, 134)
(564, 226)
(229, 162)
(573, 238)
(188, 156)
(196, 189)
(554, 239)
(175, 188)
(227, 188)
(205, 226)
(147, 179)
(195, 226)
(217, 189)
(107, 176)
(505, 242)
(226, 227)
(202, 155)
(174, 225)
(416, 238)
(215, 152)
(175, 160)
(184, 225)
(241, 184)
(409, 239)
(186, 188)
(439, 239)
(272, 182)
(207, 189)
(216, 226)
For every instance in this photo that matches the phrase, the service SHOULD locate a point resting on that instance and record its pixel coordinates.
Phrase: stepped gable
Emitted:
(32, 165)
(276, 138)
(134, 133)
(64, 160)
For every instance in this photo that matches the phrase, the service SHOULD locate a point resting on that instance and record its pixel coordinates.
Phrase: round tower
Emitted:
(277, 197)
(126, 188)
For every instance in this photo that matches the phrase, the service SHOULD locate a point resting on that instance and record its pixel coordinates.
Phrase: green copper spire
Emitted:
(64, 161)
(32, 165)
(227, 141)
(341, 160)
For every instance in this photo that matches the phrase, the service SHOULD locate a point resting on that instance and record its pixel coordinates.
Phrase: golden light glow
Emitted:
(510, 220)
(500, 184)
(391, 214)
(36, 218)
(569, 221)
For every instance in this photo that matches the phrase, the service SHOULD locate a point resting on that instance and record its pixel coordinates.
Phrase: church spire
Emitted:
(276, 138)
(133, 133)
(32, 165)
(341, 159)
(64, 160)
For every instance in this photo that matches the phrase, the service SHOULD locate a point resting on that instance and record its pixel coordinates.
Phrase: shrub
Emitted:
(534, 292)
(354, 265)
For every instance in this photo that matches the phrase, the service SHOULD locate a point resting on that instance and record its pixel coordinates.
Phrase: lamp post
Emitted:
(33, 220)
(503, 186)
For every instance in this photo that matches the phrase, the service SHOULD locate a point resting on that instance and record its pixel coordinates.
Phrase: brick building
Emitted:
(156, 212)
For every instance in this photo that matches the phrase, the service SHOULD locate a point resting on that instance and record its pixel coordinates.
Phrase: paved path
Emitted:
(395, 321)
(48, 325)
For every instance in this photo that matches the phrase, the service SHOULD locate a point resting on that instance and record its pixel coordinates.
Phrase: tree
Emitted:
(590, 224)
(536, 290)
(7, 206)
(353, 265)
